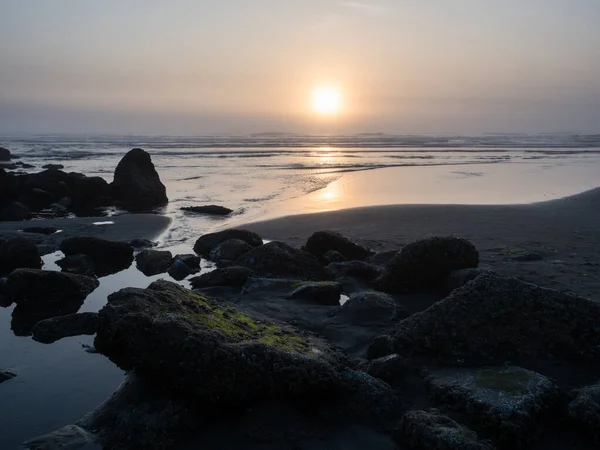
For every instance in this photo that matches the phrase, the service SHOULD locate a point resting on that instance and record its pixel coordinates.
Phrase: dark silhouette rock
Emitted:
(277, 259)
(37, 199)
(584, 411)
(381, 346)
(365, 307)
(494, 318)
(389, 368)
(228, 276)
(425, 264)
(14, 211)
(5, 154)
(78, 264)
(153, 262)
(88, 193)
(109, 256)
(51, 330)
(53, 166)
(136, 184)
(229, 250)
(184, 266)
(324, 292)
(189, 260)
(211, 210)
(323, 241)
(432, 430)
(356, 269)
(207, 242)
(40, 230)
(19, 252)
(333, 256)
(142, 244)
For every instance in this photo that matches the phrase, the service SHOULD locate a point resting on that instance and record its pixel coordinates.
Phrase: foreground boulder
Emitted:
(207, 242)
(432, 430)
(18, 253)
(322, 242)
(136, 184)
(210, 210)
(277, 259)
(227, 276)
(504, 318)
(510, 404)
(153, 262)
(221, 355)
(51, 330)
(425, 264)
(109, 257)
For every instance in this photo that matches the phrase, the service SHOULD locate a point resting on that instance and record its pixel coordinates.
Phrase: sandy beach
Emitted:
(564, 232)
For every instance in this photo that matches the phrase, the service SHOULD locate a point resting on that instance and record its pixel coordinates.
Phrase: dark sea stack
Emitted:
(210, 210)
(19, 253)
(207, 242)
(227, 276)
(5, 154)
(109, 256)
(279, 260)
(424, 264)
(323, 241)
(136, 185)
(51, 330)
(153, 262)
(494, 318)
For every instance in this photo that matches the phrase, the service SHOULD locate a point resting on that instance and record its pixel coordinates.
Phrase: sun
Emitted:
(326, 100)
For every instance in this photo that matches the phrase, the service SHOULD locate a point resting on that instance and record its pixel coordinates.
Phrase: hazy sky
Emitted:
(194, 67)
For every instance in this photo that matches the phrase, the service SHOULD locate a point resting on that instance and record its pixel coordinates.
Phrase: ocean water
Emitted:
(260, 177)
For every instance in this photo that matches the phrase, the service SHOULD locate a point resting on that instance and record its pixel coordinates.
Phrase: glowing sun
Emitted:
(326, 100)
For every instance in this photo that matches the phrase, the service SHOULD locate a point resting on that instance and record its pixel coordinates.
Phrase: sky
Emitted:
(190, 67)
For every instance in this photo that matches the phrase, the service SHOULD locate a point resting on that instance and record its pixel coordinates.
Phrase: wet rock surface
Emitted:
(79, 264)
(51, 330)
(356, 269)
(229, 250)
(153, 262)
(183, 266)
(206, 243)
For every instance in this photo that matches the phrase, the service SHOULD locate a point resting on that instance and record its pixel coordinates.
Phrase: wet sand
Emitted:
(564, 232)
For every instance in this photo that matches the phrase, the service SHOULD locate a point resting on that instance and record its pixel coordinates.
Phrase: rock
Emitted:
(207, 242)
(5, 375)
(389, 368)
(4, 154)
(277, 259)
(153, 262)
(180, 270)
(89, 193)
(239, 359)
(192, 261)
(37, 199)
(78, 264)
(142, 244)
(229, 250)
(324, 292)
(109, 257)
(18, 253)
(40, 230)
(458, 278)
(527, 257)
(432, 430)
(51, 330)
(14, 211)
(425, 264)
(62, 190)
(53, 166)
(229, 276)
(584, 410)
(265, 285)
(333, 256)
(31, 287)
(365, 307)
(323, 241)
(381, 258)
(212, 210)
(494, 318)
(136, 184)
(381, 346)
(509, 404)
(6, 298)
(68, 437)
(356, 269)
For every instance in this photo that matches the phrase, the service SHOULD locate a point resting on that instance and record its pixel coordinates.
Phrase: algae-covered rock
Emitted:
(219, 353)
(494, 318)
(432, 430)
(509, 403)
(425, 263)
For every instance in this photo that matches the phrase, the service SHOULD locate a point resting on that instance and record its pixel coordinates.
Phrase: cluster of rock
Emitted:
(266, 329)
(54, 193)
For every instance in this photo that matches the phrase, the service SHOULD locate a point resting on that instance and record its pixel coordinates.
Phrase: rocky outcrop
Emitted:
(18, 253)
(432, 430)
(210, 210)
(277, 259)
(494, 318)
(509, 404)
(425, 264)
(206, 243)
(227, 276)
(109, 256)
(333, 256)
(51, 330)
(324, 292)
(365, 307)
(153, 262)
(153, 330)
(323, 241)
(229, 250)
(136, 185)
